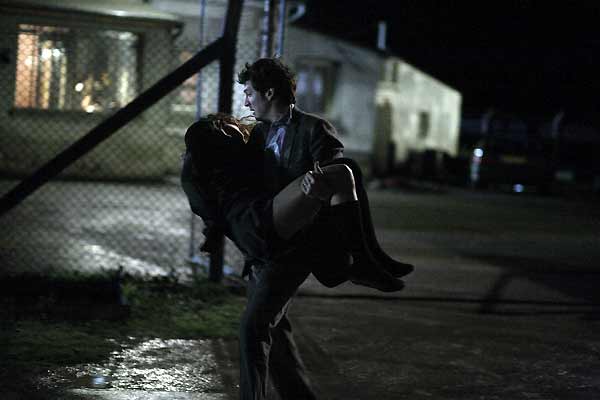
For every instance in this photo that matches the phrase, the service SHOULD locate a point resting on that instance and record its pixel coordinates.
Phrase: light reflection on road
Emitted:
(155, 365)
(94, 254)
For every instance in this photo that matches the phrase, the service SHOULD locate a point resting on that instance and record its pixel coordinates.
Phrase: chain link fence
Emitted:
(121, 204)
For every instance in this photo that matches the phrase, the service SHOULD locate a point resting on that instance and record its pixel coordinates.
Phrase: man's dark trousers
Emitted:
(266, 341)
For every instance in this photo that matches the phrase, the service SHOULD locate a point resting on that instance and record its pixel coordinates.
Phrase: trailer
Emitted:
(417, 122)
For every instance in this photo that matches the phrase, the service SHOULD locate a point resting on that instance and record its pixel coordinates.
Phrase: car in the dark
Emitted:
(510, 157)
(575, 150)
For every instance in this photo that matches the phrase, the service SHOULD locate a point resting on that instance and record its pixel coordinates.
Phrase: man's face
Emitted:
(257, 102)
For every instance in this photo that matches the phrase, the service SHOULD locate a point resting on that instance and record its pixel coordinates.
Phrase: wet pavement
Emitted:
(111, 394)
(504, 304)
(92, 226)
(154, 365)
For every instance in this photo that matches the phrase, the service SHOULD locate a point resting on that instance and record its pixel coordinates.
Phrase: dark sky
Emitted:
(525, 56)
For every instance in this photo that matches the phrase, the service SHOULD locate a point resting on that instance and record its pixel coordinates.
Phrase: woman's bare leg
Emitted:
(293, 210)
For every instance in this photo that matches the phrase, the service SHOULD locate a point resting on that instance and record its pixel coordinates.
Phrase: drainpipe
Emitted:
(485, 122)
(381, 35)
(556, 121)
(555, 133)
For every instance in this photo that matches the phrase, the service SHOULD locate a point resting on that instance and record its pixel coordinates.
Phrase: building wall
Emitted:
(31, 137)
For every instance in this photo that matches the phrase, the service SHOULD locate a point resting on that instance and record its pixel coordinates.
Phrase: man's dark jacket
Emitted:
(308, 138)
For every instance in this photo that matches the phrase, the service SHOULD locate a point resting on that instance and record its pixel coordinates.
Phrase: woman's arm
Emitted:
(198, 200)
(200, 205)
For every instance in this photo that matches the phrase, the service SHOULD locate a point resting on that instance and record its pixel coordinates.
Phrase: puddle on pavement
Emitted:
(93, 382)
(174, 365)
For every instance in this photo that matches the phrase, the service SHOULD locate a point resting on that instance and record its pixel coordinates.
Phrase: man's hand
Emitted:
(315, 184)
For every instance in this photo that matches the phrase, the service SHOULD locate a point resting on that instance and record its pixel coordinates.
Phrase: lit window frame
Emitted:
(60, 48)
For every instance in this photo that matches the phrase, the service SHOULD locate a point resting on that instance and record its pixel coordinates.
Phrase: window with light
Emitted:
(66, 69)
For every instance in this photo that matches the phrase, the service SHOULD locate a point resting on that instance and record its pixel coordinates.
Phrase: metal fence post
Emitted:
(226, 72)
(266, 35)
(192, 244)
(281, 28)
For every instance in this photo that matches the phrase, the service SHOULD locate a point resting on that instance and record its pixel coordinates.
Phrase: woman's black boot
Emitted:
(365, 270)
(395, 268)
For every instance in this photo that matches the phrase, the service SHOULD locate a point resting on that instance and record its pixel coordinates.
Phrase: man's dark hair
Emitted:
(267, 73)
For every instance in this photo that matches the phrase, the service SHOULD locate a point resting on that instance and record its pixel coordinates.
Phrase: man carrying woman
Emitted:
(283, 193)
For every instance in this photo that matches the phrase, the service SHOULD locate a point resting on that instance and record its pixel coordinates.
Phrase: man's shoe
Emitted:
(376, 279)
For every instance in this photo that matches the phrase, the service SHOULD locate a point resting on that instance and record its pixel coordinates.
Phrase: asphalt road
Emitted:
(503, 304)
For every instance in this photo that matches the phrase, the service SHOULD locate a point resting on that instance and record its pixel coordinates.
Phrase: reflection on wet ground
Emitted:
(154, 365)
(89, 227)
(110, 394)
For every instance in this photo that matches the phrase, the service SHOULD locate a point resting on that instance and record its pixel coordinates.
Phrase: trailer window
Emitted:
(315, 84)
(67, 69)
(424, 124)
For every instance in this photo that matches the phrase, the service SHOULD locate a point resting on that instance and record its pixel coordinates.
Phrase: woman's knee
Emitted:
(340, 176)
(341, 179)
(350, 163)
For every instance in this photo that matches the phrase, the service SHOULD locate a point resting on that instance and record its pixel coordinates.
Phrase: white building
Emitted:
(386, 110)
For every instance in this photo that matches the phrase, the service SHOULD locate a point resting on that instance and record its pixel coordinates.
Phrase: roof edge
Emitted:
(107, 8)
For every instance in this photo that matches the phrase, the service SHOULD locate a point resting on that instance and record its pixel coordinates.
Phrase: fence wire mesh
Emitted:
(121, 204)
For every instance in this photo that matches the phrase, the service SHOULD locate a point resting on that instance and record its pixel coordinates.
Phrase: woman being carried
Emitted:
(314, 225)
(318, 212)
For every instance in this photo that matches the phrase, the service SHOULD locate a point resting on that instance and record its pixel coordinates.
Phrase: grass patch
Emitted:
(35, 339)
(204, 310)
